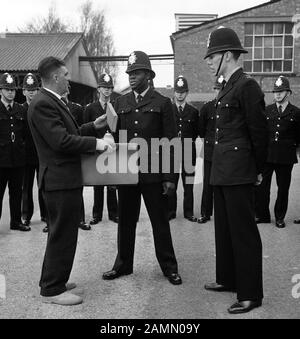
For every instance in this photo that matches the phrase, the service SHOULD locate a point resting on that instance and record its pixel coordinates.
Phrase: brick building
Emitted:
(271, 34)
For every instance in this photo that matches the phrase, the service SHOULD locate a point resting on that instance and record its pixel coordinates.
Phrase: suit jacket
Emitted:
(59, 142)
(77, 112)
(284, 134)
(240, 149)
(30, 149)
(12, 136)
(150, 119)
(207, 120)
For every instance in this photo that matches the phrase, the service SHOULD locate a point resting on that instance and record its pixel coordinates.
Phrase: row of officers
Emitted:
(19, 160)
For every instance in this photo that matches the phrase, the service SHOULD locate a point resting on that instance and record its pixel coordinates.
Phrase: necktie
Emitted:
(64, 100)
(180, 109)
(280, 109)
(139, 98)
(105, 107)
(9, 108)
(223, 83)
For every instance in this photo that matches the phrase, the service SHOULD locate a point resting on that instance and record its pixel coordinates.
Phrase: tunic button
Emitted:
(226, 105)
(136, 122)
(278, 125)
(278, 118)
(135, 134)
(216, 142)
(180, 125)
(219, 103)
(217, 130)
(11, 118)
(218, 116)
(12, 125)
(235, 148)
(180, 119)
(136, 110)
(206, 141)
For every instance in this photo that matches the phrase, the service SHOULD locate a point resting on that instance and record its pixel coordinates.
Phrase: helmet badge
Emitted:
(132, 58)
(278, 82)
(106, 78)
(9, 79)
(180, 83)
(30, 80)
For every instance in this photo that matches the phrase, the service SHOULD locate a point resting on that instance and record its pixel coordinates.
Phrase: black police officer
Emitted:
(207, 120)
(237, 162)
(284, 136)
(144, 113)
(12, 150)
(30, 89)
(92, 111)
(186, 117)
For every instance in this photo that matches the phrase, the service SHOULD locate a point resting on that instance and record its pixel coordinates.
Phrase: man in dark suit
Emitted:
(145, 116)
(30, 89)
(237, 162)
(92, 111)
(12, 150)
(186, 117)
(284, 138)
(59, 143)
(207, 120)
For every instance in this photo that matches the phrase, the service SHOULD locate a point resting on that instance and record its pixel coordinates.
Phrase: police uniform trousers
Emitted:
(283, 179)
(112, 202)
(64, 214)
(207, 191)
(27, 196)
(238, 242)
(156, 205)
(188, 194)
(13, 177)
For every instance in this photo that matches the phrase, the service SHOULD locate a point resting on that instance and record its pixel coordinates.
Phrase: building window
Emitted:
(270, 47)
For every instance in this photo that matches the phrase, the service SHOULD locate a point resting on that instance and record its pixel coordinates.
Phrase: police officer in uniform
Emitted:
(30, 89)
(186, 117)
(237, 163)
(92, 111)
(12, 150)
(207, 120)
(144, 113)
(284, 136)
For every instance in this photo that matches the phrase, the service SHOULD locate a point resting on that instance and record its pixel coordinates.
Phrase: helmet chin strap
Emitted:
(220, 64)
(283, 100)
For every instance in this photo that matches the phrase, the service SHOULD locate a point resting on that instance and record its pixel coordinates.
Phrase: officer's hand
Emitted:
(298, 152)
(168, 188)
(101, 121)
(103, 145)
(259, 179)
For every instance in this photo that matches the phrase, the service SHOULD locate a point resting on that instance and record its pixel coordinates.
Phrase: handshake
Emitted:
(107, 144)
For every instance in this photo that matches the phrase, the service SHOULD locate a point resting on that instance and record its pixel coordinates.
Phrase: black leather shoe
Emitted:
(244, 306)
(280, 224)
(20, 227)
(203, 219)
(262, 220)
(218, 288)
(26, 222)
(113, 274)
(191, 218)
(84, 226)
(297, 221)
(46, 229)
(114, 219)
(174, 278)
(172, 216)
(95, 221)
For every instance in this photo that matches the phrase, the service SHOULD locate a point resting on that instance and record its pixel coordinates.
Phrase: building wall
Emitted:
(190, 48)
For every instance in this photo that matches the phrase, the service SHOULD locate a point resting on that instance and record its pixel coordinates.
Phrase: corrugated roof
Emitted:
(23, 52)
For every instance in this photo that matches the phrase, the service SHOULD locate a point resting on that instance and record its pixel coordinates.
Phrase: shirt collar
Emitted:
(228, 76)
(283, 106)
(6, 104)
(182, 105)
(54, 93)
(136, 94)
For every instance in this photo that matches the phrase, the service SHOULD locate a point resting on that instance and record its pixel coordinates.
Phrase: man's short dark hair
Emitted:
(48, 65)
(236, 55)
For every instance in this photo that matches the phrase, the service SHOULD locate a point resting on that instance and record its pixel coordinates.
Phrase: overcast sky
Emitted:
(135, 24)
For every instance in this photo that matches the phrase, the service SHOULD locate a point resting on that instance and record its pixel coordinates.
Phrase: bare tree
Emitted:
(49, 24)
(98, 38)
